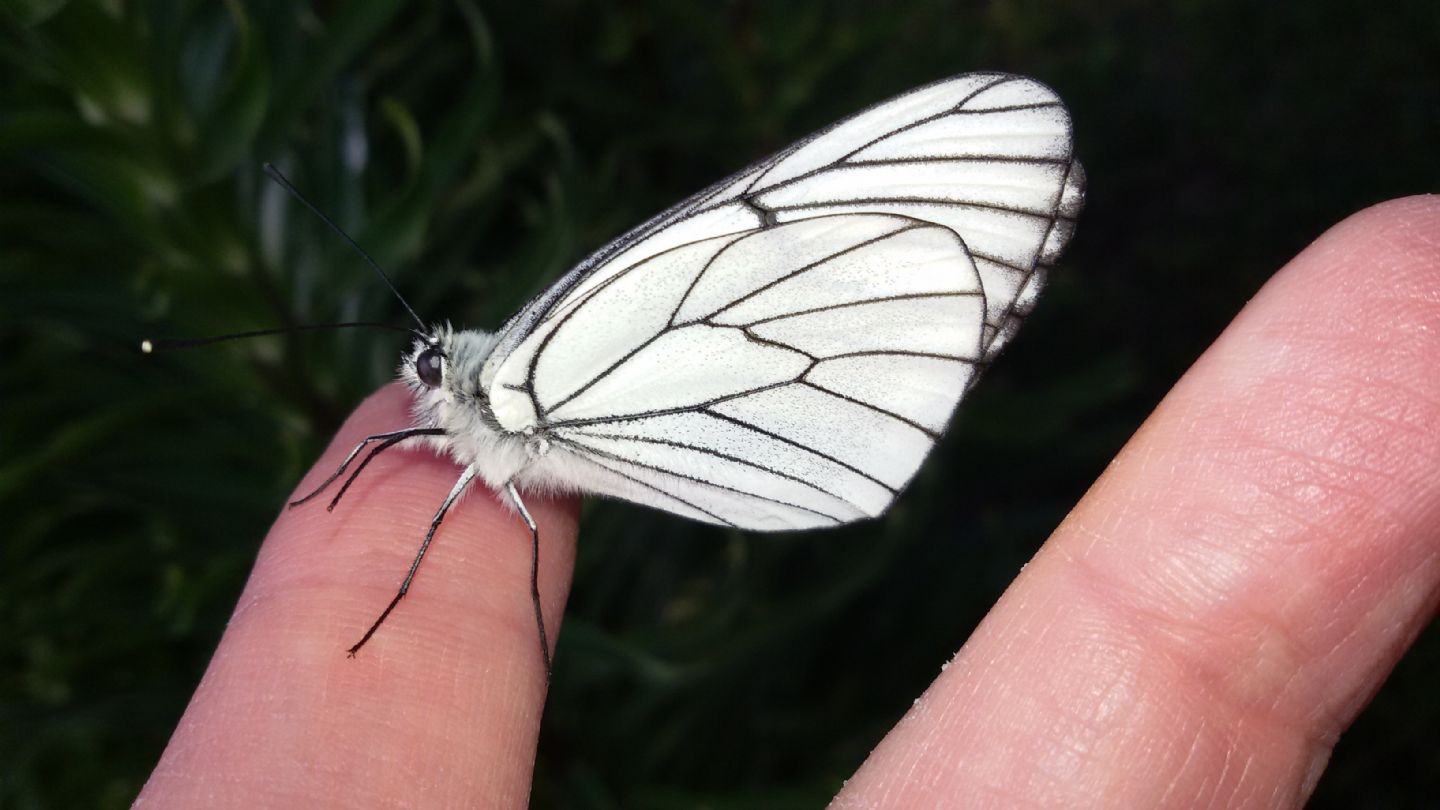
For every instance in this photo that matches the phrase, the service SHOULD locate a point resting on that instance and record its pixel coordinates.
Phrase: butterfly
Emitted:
(779, 351)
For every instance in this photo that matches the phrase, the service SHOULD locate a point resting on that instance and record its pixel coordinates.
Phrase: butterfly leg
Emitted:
(534, 572)
(465, 478)
(386, 439)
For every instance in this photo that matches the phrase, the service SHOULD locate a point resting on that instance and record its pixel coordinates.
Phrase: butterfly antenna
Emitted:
(279, 178)
(150, 346)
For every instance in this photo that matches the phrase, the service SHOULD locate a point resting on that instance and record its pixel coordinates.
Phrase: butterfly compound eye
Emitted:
(428, 367)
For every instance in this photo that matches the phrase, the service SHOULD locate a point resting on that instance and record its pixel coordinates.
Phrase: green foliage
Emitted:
(477, 155)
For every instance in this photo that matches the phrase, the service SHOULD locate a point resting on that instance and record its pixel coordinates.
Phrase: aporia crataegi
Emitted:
(781, 350)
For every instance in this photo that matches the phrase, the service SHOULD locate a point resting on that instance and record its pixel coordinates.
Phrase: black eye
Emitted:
(428, 367)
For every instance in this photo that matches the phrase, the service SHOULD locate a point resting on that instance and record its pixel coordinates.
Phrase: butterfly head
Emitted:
(442, 369)
(445, 363)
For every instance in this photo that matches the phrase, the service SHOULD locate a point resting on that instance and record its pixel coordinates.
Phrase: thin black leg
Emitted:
(465, 478)
(359, 468)
(534, 573)
(388, 439)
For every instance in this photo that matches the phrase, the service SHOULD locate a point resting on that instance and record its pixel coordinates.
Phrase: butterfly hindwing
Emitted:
(780, 378)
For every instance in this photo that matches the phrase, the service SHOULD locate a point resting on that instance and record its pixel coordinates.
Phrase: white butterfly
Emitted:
(781, 350)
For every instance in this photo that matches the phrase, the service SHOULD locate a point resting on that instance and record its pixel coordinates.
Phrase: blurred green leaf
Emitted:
(352, 28)
(28, 13)
(234, 119)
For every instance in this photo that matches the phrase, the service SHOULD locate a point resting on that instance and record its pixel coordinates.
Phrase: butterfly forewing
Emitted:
(781, 350)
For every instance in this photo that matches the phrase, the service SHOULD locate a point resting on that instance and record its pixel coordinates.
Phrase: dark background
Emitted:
(479, 152)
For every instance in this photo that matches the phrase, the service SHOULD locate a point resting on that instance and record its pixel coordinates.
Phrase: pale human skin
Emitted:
(1197, 633)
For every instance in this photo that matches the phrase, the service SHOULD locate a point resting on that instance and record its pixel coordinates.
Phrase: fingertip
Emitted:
(1389, 251)
(1406, 222)
(442, 705)
(1242, 576)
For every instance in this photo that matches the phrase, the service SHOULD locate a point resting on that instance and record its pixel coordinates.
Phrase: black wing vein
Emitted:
(725, 456)
(580, 447)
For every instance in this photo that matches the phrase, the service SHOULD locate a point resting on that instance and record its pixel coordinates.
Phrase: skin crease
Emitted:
(1197, 633)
